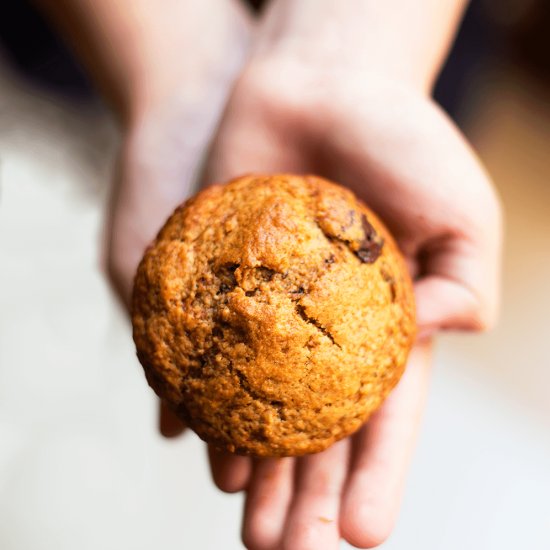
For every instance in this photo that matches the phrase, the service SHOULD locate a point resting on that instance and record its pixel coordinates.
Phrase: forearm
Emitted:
(139, 51)
(397, 39)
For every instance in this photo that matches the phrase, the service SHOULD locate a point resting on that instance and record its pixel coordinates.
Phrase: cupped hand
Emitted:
(400, 154)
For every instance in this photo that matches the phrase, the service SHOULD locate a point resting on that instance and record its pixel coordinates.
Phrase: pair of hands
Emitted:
(385, 139)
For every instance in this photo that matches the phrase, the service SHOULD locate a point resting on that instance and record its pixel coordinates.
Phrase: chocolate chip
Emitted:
(368, 255)
(370, 247)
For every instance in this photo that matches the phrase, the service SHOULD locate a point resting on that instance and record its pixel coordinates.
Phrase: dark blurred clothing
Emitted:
(35, 50)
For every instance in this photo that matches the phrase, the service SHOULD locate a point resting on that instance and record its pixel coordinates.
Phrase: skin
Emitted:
(338, 89)
(439, 204)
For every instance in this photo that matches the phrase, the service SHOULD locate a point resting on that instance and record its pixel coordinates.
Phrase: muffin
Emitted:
(274, 314)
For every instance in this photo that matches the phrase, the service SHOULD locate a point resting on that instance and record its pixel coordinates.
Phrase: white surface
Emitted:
(81, 464)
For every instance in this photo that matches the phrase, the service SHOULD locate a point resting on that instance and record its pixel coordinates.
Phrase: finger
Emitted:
(313, 517)
(460, 284)
(169, 424)
(267, 503)
(231, 473)
(445, 304)
(381, 454)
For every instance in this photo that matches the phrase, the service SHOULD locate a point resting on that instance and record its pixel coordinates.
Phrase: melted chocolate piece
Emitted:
(370, 247)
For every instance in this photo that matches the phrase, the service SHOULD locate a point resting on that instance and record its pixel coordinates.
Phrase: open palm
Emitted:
(406, 160)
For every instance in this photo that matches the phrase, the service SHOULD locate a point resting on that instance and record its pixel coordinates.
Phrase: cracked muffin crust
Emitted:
(274, 314)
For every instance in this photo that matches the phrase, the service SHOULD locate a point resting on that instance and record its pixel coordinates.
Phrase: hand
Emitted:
(404, 158)
(170, 118)
(170, 115)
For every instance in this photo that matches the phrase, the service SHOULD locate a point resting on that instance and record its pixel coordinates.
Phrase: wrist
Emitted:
(141, 55)
(334, 67)
(187, 73)
(399, 41)
(315, 90)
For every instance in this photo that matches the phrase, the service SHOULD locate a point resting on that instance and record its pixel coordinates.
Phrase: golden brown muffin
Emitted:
(274, 314)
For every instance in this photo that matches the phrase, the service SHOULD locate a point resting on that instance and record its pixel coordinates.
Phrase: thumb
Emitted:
(460, 287)
(446, 304)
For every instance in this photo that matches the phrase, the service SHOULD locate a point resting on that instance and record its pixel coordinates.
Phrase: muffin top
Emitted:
(273, 314)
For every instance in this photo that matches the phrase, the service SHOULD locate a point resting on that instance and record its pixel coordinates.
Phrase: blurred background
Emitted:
(81, 463)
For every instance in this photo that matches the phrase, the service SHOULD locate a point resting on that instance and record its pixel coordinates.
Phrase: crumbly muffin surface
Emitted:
(274, 314)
